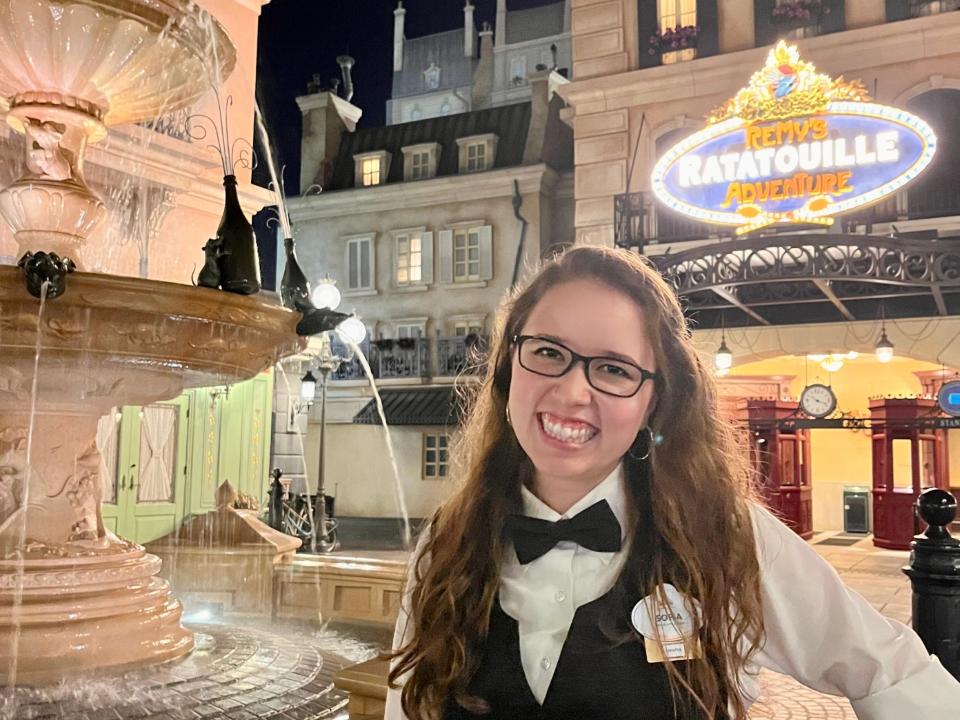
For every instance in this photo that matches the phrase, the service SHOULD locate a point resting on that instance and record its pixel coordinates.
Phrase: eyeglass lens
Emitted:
(605, 374)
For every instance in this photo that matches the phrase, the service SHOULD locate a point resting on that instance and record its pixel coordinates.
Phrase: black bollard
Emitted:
(934, 572)
(275, 518)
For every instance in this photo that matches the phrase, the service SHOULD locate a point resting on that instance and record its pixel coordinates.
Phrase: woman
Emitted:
(603, 556)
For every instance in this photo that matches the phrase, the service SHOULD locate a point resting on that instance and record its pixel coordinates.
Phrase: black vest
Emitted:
(602, 672)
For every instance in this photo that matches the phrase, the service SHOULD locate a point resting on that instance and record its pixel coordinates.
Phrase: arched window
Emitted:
(936, 193)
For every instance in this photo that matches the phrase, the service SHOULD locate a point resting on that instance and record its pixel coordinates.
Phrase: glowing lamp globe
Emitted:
(884, 348)
(723, 360)
(326, 295)
(352, 330)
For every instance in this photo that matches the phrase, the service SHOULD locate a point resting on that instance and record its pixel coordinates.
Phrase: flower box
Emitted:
(682, 37)
(798, 13)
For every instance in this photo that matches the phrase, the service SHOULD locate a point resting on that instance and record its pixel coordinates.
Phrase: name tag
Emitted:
(672, 622)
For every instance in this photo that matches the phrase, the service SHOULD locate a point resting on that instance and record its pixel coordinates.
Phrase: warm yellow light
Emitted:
(832, 363)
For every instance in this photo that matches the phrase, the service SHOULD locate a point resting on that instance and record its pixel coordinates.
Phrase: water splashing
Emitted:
(398, 488)
(25, 497)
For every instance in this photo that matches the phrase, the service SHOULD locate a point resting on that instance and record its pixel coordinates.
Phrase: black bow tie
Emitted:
(596, 528)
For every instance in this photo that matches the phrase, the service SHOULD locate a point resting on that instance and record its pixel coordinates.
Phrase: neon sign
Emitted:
(793, 146)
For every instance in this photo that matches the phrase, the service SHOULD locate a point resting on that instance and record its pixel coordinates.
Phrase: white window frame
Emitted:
(488, 141)
(467, 323)
(411, 327)
(361, 177)
(402, 256)
(440, 464)
(518, 71)
(456, 270)
(411, 152)
(359, 241)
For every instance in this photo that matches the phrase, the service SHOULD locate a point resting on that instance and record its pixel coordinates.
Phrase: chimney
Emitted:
(543, 84)
(325, 118)
(398, 36)
(346, 63)
(483, 75)
(501, 23)
(468, 30)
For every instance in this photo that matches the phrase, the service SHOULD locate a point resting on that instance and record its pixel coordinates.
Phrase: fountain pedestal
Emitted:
(73, 596)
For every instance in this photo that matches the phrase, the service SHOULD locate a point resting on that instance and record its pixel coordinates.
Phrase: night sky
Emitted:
(300, 37)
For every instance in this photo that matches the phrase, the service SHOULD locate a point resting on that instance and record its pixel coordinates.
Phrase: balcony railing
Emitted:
(414, 357)
(638, 220)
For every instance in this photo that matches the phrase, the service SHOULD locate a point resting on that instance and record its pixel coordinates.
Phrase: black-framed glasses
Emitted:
(609, 375)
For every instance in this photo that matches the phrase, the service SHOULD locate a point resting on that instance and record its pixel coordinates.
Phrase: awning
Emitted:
(412, 406)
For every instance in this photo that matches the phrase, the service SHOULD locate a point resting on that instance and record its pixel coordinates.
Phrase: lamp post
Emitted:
(323, 358)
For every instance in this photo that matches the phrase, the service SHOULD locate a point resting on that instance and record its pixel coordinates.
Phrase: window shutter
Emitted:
(446, 256)
(371, 247)
(834, 20)
(708, 40)
(648, 25)
(350, 266)
(898, 10)
(426, 247)
(765, 31)
(486, 252)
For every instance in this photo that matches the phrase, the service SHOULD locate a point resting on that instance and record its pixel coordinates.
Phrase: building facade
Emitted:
(424, 226)
(476, 67)
(647, 74)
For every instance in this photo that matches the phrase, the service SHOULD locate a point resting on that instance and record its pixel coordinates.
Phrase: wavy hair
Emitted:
(690, 519)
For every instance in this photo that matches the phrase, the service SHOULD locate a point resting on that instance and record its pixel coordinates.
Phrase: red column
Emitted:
(782, 461)
(894, 521)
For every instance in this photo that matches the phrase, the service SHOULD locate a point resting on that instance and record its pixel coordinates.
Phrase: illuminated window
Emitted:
(371, 171)
(371, 168)
(672, 14)
(434, 456)
(409, 259)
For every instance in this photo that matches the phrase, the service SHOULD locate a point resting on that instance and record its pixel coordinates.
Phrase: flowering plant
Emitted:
(679, 38)
(798, 12)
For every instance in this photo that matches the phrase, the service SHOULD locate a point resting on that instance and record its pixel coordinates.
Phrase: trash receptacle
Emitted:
(856, 510)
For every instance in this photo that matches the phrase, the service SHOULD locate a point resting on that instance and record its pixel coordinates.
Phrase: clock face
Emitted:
(818, 400)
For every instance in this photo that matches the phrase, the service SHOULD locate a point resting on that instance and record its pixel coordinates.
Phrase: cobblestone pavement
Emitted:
(876, 575)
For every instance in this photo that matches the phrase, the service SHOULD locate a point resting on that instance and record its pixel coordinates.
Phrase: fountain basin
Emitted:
(90, 599)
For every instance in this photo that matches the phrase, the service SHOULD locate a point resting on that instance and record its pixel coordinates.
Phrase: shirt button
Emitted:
(560, 596)
(545, 663)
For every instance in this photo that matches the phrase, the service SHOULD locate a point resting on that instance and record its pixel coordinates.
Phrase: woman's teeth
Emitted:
(574, 434)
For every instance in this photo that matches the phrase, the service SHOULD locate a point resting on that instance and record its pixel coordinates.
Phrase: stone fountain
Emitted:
(73, 596)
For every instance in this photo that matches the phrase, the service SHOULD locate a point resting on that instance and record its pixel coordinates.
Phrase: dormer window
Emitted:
(477, 152)
(371, 168)
(431, 77)
(420, 161)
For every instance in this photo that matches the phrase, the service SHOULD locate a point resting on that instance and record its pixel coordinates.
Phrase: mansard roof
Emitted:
(533, 23)
(445, 50)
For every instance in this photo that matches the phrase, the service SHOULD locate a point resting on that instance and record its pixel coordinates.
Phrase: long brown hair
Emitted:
(689, 502)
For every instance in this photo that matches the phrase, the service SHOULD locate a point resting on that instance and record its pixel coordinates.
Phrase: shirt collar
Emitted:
(612, 489)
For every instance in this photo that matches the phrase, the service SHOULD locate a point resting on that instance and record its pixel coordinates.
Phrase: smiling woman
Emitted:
(603, 557)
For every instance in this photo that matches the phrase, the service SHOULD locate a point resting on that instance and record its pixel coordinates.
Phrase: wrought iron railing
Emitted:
(413, 357)
(639, 220)
(460, 354)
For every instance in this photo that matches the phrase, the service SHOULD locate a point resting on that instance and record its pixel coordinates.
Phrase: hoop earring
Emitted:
(651, 441)
(508, 416)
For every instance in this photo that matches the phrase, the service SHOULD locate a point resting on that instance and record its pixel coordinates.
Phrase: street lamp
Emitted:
(326, 361)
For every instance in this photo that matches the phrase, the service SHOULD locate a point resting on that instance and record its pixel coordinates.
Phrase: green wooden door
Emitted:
(154, 501)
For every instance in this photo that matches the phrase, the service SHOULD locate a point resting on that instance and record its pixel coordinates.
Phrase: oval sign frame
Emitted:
(899, 119)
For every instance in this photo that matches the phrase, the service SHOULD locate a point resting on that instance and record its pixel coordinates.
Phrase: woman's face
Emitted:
(571, 431)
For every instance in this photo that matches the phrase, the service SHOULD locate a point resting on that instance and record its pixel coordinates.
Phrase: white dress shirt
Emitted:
(816, 629)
